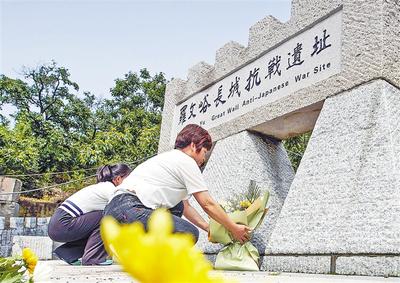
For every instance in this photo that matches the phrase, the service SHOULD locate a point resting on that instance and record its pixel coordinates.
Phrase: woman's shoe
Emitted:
(106, 262)
(76, 262)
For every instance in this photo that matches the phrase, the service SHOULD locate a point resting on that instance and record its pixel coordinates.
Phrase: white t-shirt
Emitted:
(164, 180)
(90, 198)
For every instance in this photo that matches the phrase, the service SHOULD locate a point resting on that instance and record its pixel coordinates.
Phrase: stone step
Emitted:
(41, 246)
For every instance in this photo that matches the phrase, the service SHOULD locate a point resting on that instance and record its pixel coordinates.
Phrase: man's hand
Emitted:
(241, 233)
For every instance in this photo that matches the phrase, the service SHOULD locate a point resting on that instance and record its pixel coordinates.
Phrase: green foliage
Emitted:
(56, 129)
(296, 147)
(139, 91)
(9, 271)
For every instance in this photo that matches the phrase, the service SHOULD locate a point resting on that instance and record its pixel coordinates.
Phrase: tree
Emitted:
(296, 147)
(134, 110)
(139, 91)
(45, 93)
(58, 130)
(53, 118)
(19, 149)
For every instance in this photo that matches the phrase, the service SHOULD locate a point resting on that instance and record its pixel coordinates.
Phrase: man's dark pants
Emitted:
(127, 208)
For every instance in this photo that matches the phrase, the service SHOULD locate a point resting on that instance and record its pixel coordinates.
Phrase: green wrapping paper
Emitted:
(235, 256)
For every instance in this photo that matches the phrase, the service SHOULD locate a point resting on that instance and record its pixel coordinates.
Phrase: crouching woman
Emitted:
(77, 220)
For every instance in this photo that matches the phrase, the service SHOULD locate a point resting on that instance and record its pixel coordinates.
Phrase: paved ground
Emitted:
(62, 272)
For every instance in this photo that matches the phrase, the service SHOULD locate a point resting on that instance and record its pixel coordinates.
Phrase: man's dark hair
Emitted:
(193, 133)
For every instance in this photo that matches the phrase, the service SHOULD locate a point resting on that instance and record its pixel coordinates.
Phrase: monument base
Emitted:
(334, 264)
(329, 264)
(342, 211)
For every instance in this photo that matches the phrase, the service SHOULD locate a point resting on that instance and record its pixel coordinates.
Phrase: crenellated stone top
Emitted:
(370, 49)
(264, 34)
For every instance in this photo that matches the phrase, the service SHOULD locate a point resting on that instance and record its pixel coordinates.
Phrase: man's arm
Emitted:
(214, 210)
(193, 216)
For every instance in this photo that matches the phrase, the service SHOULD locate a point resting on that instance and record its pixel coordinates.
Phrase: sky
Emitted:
(100, 41)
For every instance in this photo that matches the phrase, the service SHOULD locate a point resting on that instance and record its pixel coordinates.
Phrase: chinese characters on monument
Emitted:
(310, 56)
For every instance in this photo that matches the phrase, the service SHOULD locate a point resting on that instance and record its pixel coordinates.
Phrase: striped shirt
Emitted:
(91, 198)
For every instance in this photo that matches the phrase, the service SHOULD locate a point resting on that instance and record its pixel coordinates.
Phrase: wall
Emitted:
(16, 226)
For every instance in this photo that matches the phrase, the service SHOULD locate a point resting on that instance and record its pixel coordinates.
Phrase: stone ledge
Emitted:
(366, 265)
(41, 246)
(376, 266)
(302, 264)
(62, 272)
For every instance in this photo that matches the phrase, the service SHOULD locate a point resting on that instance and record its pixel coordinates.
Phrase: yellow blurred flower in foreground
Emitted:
(158, 255)
(30, 259)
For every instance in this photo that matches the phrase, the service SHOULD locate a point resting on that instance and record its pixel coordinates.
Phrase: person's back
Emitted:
(91, 198)
(164, 180)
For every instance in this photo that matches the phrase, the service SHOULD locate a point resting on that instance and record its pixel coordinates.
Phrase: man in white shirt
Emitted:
(168, 180)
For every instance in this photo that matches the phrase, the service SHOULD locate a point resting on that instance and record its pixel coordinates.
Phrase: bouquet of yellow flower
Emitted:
(236, 256)
(239, 202)
(18, 269)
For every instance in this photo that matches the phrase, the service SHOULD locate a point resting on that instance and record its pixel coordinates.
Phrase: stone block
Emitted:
(30, 222)
(2, 223)
(302, 264)
(5, 250)
(391, 34)
(16, 223)
(227, 58)
(31, 232)
(9, 185)
(211, 257)
(305, 12)
(6, 237)
(41, 246)
(9, 209)
(199, 76)
(17, 232)
(370, 266)
(345, 196)
(264, 34)
(259, 159)
(174, 92)
(42, 221)
(41, 231)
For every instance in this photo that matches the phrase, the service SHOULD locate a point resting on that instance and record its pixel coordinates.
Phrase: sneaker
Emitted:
(76, 262)
(106, 262)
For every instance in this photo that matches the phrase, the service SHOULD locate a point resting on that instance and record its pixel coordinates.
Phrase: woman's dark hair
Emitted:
(193, 133)
(109, 172)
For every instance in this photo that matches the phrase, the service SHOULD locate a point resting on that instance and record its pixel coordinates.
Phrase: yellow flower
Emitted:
(158, 255)
(245, 204)
(30, 259)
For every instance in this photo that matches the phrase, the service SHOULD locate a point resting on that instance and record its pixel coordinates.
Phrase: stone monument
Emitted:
(8, 201)
(333, 68)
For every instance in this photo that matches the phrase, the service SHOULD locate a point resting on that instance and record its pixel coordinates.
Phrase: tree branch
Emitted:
(40, 91)
(54, 93)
